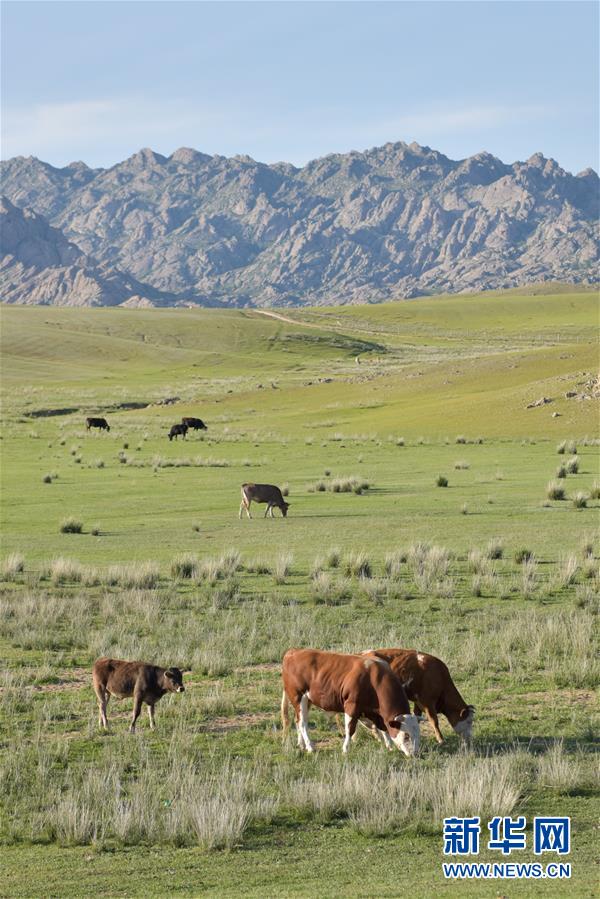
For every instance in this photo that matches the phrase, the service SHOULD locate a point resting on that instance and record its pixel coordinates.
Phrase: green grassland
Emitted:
(395, 395)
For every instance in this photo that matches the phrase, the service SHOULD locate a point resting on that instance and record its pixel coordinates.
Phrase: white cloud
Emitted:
(105, 131)
(466, 119)
(89, 128)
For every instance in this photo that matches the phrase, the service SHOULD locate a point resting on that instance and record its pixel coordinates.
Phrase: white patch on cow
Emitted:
(420, 658)
(465, 728)
(303, 722)
(367, 663)
(409, 737)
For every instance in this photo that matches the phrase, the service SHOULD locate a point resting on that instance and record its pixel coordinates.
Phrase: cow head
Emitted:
(464, 725)
(173, 680)
(284, 508)
(405, 733)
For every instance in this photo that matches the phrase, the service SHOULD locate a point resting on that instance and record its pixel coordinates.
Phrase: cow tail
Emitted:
(285, 705)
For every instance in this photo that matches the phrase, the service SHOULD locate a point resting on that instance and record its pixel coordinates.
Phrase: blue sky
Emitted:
(292, 81)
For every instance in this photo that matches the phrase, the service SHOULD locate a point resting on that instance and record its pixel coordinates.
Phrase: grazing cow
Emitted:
(146, 683)
(358, 686)
(178, 430)
(429, 685)
(97, 423)
(194, 424)
(263, 493)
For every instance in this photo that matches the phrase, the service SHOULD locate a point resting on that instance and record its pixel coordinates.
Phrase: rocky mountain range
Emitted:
(395, 221)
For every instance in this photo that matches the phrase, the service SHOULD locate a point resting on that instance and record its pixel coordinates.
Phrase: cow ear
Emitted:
(466, 712)
(169, 673)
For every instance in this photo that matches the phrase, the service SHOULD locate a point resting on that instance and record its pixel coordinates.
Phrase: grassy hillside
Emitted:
(163, 569)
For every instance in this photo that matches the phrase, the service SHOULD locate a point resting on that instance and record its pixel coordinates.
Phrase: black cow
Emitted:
(194, 424)
(97, 423)
(178, 430)
(146, 683)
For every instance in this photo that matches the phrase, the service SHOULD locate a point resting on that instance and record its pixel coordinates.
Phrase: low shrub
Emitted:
(282, 567)
(357, 564)
(580, 500)
(144, 575)
(71, 526)
(494, 549)
(333, 557)
(523, 555)
(65, 571)
(12, 565)
(572, 465)
(184, 566)
(554, 490)
(441, 481)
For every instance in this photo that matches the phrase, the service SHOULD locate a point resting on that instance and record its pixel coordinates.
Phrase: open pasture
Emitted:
(488, 573)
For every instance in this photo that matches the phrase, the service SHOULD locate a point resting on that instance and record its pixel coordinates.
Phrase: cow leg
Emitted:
(350, 722)
(103, 697)
(302, 723)
(433, 720)
(267, 510)
(380, 735)
(137, 708)
(151, 716)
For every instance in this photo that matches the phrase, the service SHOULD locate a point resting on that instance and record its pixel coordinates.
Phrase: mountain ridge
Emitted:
(393, 221)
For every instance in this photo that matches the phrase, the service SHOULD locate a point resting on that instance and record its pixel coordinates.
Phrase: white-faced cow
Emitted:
(358, 686)
(194, 424)
(178, 431)
(146, 683)
(429, 685)
(100, 423)
(263, 493)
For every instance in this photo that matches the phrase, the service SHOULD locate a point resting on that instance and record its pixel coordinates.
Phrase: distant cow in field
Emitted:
(146, 683)
(357, 685)
(194, 424)
(97, 423)
(263, 493)
(429, 685)
(177, 431)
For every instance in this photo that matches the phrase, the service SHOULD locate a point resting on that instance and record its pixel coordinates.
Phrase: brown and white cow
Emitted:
(429, 685)
(263, 493)
(146, 683)
(357, 685)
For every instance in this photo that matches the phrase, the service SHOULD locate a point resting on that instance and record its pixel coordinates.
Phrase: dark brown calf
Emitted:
(97, 423)
(177, 431)
(146, 683)
(263, 493)
(357, 685)
(429, 685)
(194, 424)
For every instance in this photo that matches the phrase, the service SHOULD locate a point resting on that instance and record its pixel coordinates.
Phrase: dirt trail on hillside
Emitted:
(290, 321)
